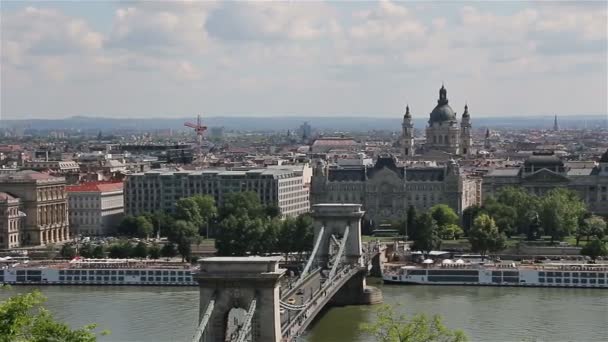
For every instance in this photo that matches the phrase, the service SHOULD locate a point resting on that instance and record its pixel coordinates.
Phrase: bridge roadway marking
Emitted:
(301, 320)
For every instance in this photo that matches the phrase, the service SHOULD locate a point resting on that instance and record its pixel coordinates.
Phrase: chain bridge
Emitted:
(253, 299)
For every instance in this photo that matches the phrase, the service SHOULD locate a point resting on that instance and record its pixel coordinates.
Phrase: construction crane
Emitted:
(199, 128)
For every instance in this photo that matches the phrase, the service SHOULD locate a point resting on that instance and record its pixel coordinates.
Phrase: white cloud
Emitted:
(161, 27)
(266, 21)
(278, 57)
(45, 32)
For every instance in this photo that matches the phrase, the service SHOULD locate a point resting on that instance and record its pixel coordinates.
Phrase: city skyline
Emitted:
(154, 59)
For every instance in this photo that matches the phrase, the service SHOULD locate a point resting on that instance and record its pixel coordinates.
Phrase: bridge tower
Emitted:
(241, 290)
(334, 219)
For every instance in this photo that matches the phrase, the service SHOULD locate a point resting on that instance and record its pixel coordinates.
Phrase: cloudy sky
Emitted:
(164, 58)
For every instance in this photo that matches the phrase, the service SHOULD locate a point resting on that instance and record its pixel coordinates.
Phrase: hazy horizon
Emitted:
(340, 59)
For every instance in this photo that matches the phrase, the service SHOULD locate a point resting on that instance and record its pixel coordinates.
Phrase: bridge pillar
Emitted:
(335, 218)
(233, 282)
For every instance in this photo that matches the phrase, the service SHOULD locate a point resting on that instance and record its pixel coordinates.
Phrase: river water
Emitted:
(484, 313)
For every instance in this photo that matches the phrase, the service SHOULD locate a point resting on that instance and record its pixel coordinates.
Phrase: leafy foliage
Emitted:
(427, 236)
(67, 251)
(443, 215)
(595, 249)
(390, 327)
(484, 235)
(24, 319)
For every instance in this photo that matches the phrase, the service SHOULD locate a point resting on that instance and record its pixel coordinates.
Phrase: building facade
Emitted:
(443, 133)
(542, 172)
(10, 221)
(43, 200)
(386, 190)
(95, 208)
(282, 186)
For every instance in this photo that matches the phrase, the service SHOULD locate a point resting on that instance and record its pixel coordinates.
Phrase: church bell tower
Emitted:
(407, 134)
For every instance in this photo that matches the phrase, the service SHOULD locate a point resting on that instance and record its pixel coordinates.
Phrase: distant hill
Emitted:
(260, 123)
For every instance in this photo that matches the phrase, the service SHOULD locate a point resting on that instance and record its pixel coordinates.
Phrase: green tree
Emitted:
(98, 252)
(128, 226)
(168, 251)
(86, 251)
(485, 237)
(504, 215)
(23, 319)
(272, 211)
(67, 251)
(450, 232)
(144, 227)
(121, 250)
(241, 203)
(412, 219)
(523, 202)
(184, 247)
(390, 327)
(304, 234)
(443, 215)
(534, 229)
(140, 226)
(591, 226)
(560, 213)
(187, 209)
(285, 239)
(427, 236)
(595, 249)
(161, 221)
(207, 210)
(469, 215)
(154, 251)
(182, 234)
(140, 251)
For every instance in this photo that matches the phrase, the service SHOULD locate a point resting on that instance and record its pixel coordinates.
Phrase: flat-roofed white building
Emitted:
(286, 187)
(95, 208)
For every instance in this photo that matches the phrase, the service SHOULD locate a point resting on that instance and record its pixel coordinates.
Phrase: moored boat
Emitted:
(496, 274)
(98, 272)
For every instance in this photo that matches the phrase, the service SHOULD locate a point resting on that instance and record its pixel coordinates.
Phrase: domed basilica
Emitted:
(444, 133)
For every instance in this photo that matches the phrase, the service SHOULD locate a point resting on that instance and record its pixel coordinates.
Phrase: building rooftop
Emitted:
(29, 175)
(96, 187)
(503, 172)
(6, 197)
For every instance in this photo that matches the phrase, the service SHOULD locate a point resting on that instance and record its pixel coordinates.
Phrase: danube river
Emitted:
(484, 313)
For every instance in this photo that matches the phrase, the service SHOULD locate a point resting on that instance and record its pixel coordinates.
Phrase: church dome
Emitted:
(442, 112)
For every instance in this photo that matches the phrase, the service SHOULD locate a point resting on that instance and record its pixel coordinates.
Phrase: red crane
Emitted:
(199, 128)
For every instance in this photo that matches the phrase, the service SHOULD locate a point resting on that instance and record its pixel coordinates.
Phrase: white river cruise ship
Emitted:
(97, 272)
(543, 275)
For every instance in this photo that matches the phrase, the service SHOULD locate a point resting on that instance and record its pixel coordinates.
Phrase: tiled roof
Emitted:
(96, 187)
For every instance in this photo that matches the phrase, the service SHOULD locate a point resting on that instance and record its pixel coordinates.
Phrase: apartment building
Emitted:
(286, 187)
(95, 208)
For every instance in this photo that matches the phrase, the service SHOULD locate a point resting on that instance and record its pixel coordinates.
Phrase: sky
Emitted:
(336, 58)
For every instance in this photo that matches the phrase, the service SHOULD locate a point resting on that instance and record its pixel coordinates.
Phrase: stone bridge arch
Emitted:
(234, 283)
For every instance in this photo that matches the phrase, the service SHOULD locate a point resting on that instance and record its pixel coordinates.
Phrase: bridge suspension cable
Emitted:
(334, 267)
(198, 334)
(246, 329)
(313, 254)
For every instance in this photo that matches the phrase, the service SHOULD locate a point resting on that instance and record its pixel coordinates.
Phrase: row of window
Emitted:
(121, 278)
(573, 280)
(574, 274)
(122, 272)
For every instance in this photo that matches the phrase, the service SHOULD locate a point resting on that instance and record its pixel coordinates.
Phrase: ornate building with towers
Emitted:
(444, 132)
